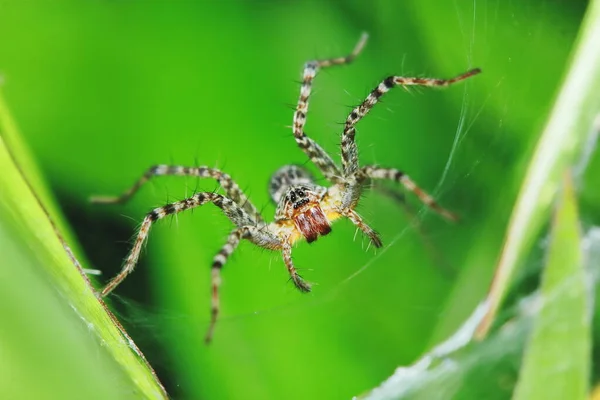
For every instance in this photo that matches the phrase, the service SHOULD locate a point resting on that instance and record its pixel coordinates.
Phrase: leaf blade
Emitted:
(26, 219)
(556, 362)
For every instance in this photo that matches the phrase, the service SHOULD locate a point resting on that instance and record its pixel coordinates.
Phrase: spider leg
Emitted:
(259, 235)
(349, 149)
(300, 283)
(316, 154)
(375, 172)
(232, 242)
(232, 189)
(360, 224)
(235, 213)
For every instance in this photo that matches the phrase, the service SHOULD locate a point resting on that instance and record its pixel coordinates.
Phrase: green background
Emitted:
(102, 90)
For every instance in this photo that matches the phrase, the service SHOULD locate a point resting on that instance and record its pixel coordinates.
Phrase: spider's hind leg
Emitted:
(392, 174)
(231, 188)
(257, 234)
(218, 261)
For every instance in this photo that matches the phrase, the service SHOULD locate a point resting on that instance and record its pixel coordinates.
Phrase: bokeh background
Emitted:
(104, 89)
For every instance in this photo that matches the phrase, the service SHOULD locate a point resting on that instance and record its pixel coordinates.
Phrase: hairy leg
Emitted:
(232, 189)
(217, 265)
(236, 214)
(316, 154)
(300, 283)
(259, 235)
(349, 149)
(392, 174)
(360, 224)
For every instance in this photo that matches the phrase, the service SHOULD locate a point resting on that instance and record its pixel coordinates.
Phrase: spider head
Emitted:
(301, 204)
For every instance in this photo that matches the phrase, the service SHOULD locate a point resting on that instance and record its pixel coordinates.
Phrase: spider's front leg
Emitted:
(300, 283)
(353, 177)
(349, 150)
(316, 154)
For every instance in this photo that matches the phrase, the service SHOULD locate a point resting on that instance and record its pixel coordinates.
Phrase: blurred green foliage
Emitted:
(102, 90)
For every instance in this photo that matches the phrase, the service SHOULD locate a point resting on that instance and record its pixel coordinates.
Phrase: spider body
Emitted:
(305, 210)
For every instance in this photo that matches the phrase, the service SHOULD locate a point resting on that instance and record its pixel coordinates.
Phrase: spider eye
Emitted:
(293, 197)
(300, 192)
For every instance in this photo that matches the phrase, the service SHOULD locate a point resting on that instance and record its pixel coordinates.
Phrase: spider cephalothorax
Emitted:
(299, 203)
(304, 210)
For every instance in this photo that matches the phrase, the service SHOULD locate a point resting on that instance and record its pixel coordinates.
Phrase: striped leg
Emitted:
(360, 224)
(316, 154)
(259, 235)
(300, 283)
(236, 214)
(349, 149)
(217, 265)
(375, 172)
(232, 190)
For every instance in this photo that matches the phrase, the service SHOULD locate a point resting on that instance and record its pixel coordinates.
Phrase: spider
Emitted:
(305, 210)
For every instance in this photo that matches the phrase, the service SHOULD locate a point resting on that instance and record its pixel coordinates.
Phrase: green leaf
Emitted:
(58, 340)
(557, 359)
(561, 143)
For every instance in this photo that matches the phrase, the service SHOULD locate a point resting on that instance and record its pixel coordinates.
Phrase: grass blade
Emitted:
(557, 359)
(569, 125)
(31, 248)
